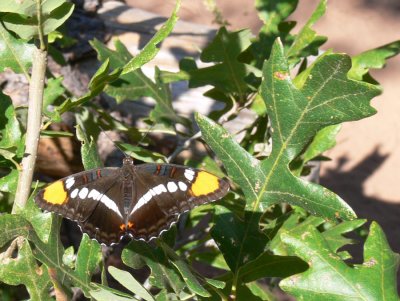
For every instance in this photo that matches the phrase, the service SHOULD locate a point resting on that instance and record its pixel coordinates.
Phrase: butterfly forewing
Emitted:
(84, 197)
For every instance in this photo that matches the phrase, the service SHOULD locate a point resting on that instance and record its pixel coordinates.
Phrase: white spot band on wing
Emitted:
(109, 203)
(152, 192)
(172, 187)
(83, 193)
(182, 186)
(189, 174)
(74, 193)
(139, 204)
(69, 182)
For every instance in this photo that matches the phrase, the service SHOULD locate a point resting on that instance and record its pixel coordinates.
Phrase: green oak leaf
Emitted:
(54, 89)
(273, 14)
(136, 84)
(228, 74)
(100, 79)
(334, 236)
(324, 140)
(12, 226)
(296, 113)
(129, 282)
(15, 54)
(191, 281)
(307, 42)
(297, 224)
(326, 97)
(372, 59)
(53, 14)
(9, 182)
(25, 270)
(10, 131)
(151, 48)
(104, 293)
(87, 261)
(90, 155)
(49, 250)
(163, 274)
(229, 232)
(329, 278)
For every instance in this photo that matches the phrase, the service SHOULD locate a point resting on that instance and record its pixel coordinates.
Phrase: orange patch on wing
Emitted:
(204, 183)
(55, 193)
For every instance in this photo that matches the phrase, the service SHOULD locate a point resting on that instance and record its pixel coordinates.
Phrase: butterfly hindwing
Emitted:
(164, 191)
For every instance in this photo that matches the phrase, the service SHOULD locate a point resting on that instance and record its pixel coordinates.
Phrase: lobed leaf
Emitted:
(12, 226)
(306, 41)
(228, 75)
(24, 270)
(372, 59)
(329, 278)
(229, 233)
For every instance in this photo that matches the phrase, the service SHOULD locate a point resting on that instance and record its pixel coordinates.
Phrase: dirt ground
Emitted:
(365, 162)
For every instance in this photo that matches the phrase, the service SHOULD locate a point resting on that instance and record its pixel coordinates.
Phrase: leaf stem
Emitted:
(40, 24)
(34, 122)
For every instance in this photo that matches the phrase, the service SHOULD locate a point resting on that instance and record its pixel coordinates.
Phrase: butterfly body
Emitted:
(136, 200)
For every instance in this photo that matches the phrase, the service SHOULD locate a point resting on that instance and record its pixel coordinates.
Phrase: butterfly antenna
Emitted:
(115, 144)
(146, 134)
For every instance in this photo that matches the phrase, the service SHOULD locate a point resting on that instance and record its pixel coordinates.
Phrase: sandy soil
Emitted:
(365, 163)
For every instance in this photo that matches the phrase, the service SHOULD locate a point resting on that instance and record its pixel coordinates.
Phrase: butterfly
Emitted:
(140, 201)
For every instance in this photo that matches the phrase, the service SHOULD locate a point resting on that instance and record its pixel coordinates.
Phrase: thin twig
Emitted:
(34, 122)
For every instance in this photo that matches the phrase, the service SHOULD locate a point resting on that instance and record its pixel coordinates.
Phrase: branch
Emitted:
(34, 122)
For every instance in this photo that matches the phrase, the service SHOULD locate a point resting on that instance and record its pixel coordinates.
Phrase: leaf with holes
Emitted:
(330, 278)
(25, 270)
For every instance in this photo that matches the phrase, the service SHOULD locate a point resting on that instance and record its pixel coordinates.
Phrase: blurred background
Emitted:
(365, 165)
